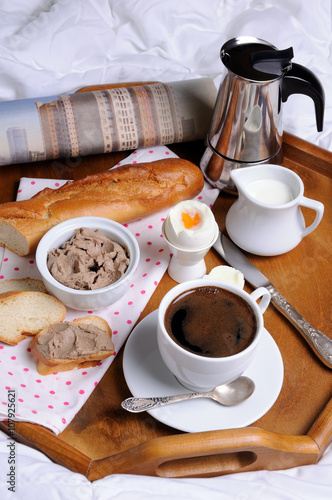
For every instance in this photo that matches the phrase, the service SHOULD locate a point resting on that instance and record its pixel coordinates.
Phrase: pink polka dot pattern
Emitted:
(54, 400)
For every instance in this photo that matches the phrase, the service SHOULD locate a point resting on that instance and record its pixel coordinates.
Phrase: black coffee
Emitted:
(210, 321)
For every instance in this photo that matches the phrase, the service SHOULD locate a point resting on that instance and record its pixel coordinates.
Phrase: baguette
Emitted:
(27, 313)
(47, 366)
(123, 194)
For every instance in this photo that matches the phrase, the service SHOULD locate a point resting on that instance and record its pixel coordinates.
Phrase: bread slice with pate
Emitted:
(27, 313)
(78, 344)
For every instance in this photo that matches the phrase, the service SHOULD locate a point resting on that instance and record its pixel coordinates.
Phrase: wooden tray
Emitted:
(103, 439)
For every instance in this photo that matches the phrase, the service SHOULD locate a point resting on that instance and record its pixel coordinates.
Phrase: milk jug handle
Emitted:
(318, 207)
(300, 80)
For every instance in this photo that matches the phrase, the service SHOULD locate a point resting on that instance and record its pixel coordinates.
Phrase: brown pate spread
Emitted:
(89, 260)
(67, 340)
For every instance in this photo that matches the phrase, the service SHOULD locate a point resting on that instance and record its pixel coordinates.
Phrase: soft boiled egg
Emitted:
(190, 224)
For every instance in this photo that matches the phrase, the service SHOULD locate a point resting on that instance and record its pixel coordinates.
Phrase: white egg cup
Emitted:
(188, 263)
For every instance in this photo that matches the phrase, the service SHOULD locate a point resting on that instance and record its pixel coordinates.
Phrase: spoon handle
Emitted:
(136, 405)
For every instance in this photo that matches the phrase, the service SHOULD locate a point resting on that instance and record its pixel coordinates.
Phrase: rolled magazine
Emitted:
(105, 120)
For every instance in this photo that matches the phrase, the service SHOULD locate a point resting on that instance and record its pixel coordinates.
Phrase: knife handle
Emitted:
(320, 343)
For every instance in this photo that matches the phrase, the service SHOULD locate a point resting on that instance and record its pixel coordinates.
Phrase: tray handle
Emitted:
(215, 453)
(209, 454)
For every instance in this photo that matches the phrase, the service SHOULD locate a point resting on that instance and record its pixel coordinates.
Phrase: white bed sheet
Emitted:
(50, 47)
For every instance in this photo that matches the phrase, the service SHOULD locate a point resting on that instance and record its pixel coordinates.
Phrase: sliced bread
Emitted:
(24, 284)
(26, 313)
(49, 365)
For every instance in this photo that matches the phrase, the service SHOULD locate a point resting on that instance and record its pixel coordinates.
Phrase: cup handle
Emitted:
(264, 294)
(318, 207)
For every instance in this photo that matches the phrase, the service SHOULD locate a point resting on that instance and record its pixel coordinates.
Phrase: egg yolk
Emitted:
(190, 221)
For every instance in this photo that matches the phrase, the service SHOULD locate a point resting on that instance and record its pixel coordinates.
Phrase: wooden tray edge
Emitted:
(300, 151)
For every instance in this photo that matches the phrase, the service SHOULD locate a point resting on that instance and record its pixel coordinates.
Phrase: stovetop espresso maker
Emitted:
(246, 127)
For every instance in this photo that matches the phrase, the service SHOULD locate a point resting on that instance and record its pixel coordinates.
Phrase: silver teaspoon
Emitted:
(227, 394)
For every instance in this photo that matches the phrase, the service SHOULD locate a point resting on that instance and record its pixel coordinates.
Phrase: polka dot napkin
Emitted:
(54, 400)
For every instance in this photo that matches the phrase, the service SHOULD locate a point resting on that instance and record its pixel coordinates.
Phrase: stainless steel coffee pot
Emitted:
(246, 127)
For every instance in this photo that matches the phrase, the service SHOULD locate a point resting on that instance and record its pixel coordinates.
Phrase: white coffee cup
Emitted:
(201, 373)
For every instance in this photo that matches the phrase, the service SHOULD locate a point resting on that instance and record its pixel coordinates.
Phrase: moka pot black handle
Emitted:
(301, 80)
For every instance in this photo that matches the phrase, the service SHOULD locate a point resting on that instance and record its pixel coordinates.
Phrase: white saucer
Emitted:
(146, 375)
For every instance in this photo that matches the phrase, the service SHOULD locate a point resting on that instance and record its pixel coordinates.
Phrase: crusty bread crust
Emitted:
(123, 194)
(43, 369)
(46, 366)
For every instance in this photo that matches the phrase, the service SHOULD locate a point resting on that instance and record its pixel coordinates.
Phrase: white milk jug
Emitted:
(266, 219)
